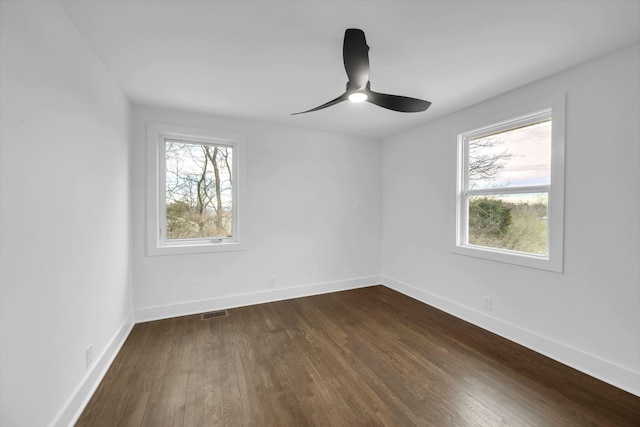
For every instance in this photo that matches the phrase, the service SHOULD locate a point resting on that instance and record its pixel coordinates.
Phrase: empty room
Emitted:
(319, 213)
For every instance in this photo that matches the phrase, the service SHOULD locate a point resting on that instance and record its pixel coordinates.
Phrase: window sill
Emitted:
(509, 257)
(194, 248)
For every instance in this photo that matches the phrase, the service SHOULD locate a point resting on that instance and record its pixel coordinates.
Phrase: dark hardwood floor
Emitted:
(366, 357)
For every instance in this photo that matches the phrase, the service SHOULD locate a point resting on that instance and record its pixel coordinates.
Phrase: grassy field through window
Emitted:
(510, 222)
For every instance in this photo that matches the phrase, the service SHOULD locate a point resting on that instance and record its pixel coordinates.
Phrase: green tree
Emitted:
(488, 218)
(180, 220)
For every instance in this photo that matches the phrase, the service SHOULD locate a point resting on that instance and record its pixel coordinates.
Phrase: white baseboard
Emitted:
(73, 408)
(606, 371)
(192, 307)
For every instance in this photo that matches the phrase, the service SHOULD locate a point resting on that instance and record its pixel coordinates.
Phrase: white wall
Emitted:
(313, 206)
(589, 316)
(65, 211)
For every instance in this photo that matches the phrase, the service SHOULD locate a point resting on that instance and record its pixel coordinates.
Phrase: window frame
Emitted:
(157, 244)
(553, 261)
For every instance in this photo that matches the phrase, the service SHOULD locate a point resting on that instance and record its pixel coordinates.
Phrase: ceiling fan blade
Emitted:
(341, 98)
(403, 104)
(355, 54)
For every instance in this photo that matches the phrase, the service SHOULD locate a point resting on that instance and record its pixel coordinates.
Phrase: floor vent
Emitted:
(214, 314)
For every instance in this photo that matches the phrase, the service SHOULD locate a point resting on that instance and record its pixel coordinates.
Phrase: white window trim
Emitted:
(554, 260)
(157, 133)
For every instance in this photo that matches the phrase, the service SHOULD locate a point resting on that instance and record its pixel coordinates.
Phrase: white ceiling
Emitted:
(263, 60)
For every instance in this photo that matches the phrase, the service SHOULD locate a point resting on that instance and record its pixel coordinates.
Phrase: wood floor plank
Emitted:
(366, 357)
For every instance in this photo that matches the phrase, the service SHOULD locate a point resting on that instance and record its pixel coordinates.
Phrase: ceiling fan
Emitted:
(355, 53)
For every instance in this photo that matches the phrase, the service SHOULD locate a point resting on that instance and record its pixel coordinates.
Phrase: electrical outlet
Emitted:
(272, 281)
(88, 354)
(488, 303)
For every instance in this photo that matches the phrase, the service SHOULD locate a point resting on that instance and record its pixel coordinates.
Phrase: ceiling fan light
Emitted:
(358, 97)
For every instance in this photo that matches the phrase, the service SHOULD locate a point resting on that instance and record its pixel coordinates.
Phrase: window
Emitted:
(194, 177)
(510, 199)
